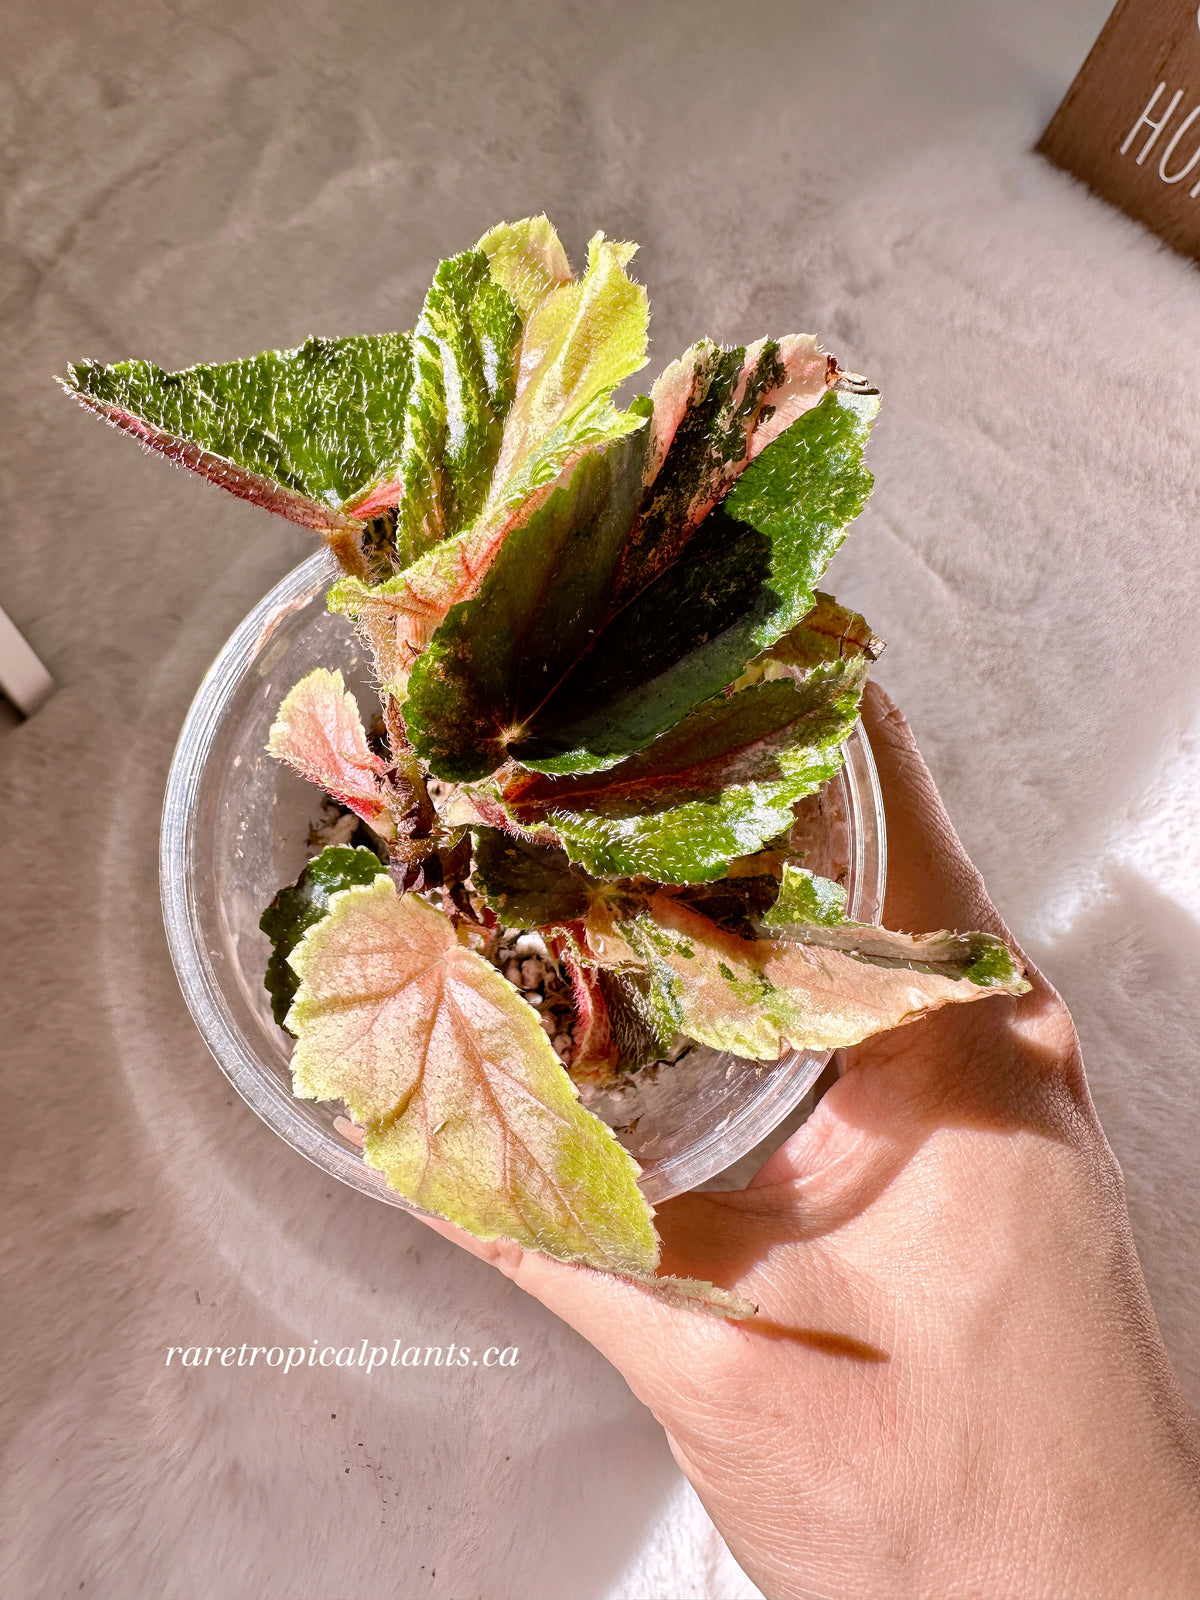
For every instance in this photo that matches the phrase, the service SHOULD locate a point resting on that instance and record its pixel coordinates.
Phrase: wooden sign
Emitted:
(1130, 123)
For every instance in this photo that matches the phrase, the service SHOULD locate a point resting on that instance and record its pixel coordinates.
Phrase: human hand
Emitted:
(955, 1384)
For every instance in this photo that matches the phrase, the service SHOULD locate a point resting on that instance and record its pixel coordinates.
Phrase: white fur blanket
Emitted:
(198, 181)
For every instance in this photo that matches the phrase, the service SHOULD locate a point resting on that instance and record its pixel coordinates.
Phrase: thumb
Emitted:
(932, 882)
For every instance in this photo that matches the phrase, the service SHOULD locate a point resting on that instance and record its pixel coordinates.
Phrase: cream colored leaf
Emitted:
(822, 987)
(467, 1110)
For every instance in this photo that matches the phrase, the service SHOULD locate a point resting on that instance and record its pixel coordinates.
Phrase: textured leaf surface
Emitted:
(620, 1024)
(464, 347)
(528, 884)
(642, 1028)
(813, 909)
(597, 1056)
(467, 1110)
(590, 635)
(319, 731)
(298, 431)
(714, 410)
(740, 901)
(693, 1294)
(301, 905)
(805, 898)
(577, 342)
(527, 261)
(616, 1028)
(820, 988)
(716, 786)
(830, 632)
(391, 444)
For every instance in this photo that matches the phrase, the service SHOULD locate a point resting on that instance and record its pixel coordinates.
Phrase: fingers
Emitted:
(932, 883)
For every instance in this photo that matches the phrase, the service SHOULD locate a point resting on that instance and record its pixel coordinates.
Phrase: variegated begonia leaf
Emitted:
(319, 731)
(302, 904)
(516, 361)
(830, 632)
(806, 898)
(464, 350)
(527, 883)
(716, 786)
(813, 909)
(820, 986)
(693, 1294)
(605, 618)
(578, 341)
(620, 1026)
(390, 443)
(527, 261)
(714, 411)
(597, 1055)
(740, 901)
(467, 1110)
(297, 431)
(641, 1028)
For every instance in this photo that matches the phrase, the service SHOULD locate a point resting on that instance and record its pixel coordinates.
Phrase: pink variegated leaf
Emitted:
(715, 410)
(296, 431)
(467, 1110)
(597, 1056)
(399, 616)
(821, 982)
(572, 342)
(622, 604)
(319, 731)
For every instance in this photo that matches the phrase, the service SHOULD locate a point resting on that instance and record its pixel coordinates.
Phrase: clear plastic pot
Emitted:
(235, 827)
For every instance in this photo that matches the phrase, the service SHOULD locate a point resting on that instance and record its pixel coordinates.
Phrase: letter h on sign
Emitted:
(1130, 123)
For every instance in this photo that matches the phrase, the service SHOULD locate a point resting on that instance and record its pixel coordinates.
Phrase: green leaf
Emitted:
(579, 341)
(527, 883)
(814, 909)
(298, 431)
(527, 260)
(641, 1027)
(421, 437)
(715, 411)
(301, 905)
(601, 622)
(804, 897)
(465, 346)
(715, 787)
(824, 986)
(830, 632)
(803, 489)
(467, 1110)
